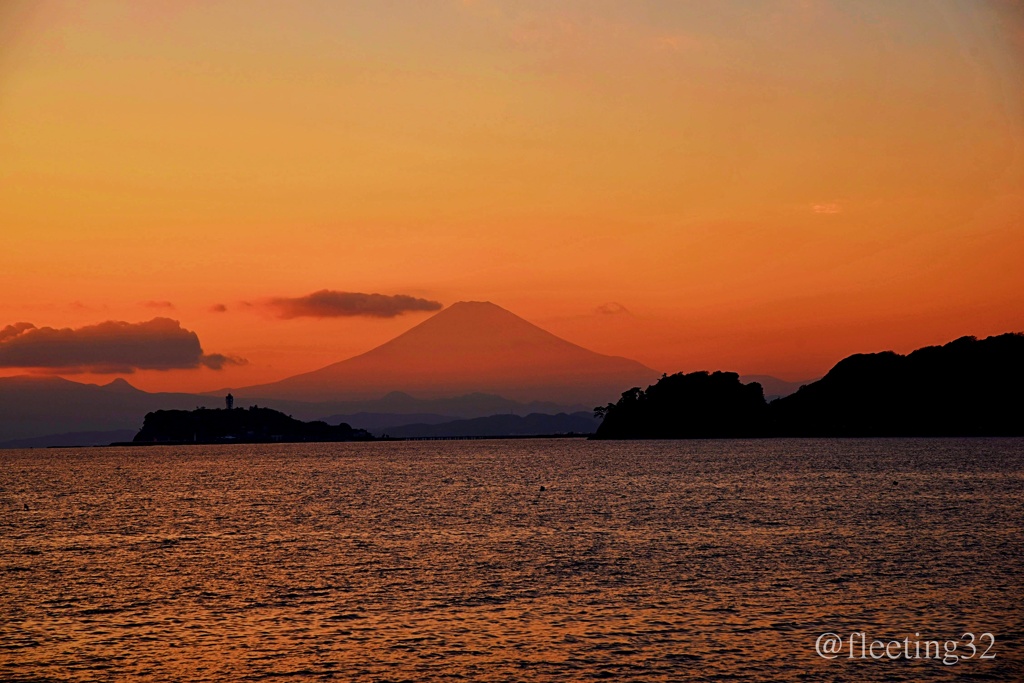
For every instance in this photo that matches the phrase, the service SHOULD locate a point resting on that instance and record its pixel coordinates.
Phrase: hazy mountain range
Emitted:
(50, 411)
(472, 360)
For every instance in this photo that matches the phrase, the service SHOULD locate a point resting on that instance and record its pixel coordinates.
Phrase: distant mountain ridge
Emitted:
(39, 406)
(469, 347)
(473, 359)
(52, 411)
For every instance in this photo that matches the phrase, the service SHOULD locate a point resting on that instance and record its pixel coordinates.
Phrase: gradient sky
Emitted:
(762, 187)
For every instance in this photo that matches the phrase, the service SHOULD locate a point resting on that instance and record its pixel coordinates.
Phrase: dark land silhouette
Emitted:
(684, 406)
(238, 425)
(262, 425)
(968, 387)
(774, 387)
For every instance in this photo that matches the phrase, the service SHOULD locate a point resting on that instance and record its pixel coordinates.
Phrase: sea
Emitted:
(515, 560)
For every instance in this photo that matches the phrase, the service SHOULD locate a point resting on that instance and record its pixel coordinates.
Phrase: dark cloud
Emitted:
(611, 308)
(14, 330)
(112, 346)
(330, 304)
(216, 361)
(218, 308)
(158, 304)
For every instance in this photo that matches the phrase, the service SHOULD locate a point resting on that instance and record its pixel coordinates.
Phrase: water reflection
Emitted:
(447, 560)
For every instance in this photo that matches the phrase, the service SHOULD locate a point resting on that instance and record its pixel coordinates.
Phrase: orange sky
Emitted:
(760, 187)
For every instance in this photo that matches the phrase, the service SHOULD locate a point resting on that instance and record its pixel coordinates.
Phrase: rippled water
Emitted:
(420, 561)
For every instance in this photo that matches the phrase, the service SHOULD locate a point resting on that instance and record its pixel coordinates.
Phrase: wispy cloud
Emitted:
(829, 207)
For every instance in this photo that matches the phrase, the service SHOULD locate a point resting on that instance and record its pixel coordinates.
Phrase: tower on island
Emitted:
(229, 401)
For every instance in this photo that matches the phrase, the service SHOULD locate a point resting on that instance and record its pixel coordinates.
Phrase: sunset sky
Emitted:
(762, 187)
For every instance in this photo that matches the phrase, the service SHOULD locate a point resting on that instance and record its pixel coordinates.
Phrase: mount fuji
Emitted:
(470, 347)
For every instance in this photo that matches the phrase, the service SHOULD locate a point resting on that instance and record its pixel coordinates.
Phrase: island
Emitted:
(238, 425)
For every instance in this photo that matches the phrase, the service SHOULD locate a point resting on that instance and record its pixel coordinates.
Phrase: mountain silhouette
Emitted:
(239, 425)
(698, 405)
(471, 346)
(968, 387)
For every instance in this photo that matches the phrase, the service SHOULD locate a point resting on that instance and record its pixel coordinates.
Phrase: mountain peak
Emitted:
(120, 385)
(475, 309)
(475, 304)
(471, 346)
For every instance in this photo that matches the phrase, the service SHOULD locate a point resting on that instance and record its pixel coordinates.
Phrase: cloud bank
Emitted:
(330, 304)
(109, 347)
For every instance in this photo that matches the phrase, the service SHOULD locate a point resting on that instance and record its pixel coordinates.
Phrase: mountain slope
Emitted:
(469, 347)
